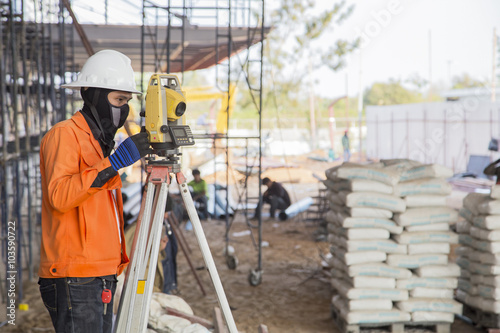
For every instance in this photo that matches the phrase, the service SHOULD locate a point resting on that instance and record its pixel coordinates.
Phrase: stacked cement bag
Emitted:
(427, 236)
(360, 226)
(389, 227)
(479, 253)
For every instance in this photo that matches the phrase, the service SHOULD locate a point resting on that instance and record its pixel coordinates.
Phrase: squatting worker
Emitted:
(83, 247)
(276, 196)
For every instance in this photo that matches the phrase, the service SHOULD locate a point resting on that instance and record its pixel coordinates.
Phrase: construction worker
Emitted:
(275, 195)
(200, 194)
(83, 246)
(346, 146)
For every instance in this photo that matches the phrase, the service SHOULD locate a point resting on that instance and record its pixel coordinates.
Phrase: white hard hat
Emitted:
(108, 69)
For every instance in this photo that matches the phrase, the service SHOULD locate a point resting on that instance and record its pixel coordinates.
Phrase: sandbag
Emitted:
(479, 233)
(373, 282)
(463, 226)
(353, 258)
(479, 203)
(387, 246)
(350, 292)
(429, 248)
(361, 185)
(429, 227)
(382, 270)
(426, 171)
(430, 304)
(426, 215)
(414, 282)
(370, 222)
(417, 260)
(376, 317)
(373, 200)
(366, 233)
(360, 304)
(488, 292)
(431, 293)
(449, 270)
(426, 186)
(368, 212)
(389, 177)
(425, 200)
(426, 237)
(432, 316)
(489, 222)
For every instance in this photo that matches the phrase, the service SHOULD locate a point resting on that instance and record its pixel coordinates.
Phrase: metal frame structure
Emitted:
(32, 67)
(225, 15)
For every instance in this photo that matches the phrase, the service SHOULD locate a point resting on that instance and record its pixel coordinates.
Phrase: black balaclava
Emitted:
(106, 117)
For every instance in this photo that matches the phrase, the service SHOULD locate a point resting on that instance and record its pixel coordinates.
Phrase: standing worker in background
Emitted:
(200, 193)
(275, 195)
(347, 150)
(83, 246)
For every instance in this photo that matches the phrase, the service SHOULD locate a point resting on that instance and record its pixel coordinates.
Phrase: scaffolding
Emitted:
(176, 17)
(32, 67)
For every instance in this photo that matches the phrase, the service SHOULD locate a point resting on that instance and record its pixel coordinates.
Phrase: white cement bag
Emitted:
(429, 227)
(491, 280)
(427, 186)
(414, 282)
(360, 304)
(466, 240)
(432, 316)
(425, 200)
(463, 251)
(387, 246)
(430, 304)
(488, 305)
(373, 282)
(486, 246)
(416, 260)
(466, 214)
(375, 317)
(353, 258)
(489, 222)
(467, 286)
(382, 270)
(389, 177)
(463, 226)
(400, 163)
(426, 215)
(373, 200)
(334, 198)
(426, 237)
(429, 248)
(368, 212)
(431, 293)
(472, 201)
(461, 296)
(492, 235)
(367, 293)
(450, 270)
(495, 191)
(370, 222)
(484, 269)
(366, 233)
(488, 292)
(477, 279)
(426, 171)
(360, 185)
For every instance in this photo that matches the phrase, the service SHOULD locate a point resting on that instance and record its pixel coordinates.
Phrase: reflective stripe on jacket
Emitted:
(79, 227)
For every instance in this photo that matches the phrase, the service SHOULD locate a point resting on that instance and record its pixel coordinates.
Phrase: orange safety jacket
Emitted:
(80, 233)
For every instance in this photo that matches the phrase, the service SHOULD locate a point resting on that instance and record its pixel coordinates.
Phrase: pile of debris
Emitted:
(389, 230)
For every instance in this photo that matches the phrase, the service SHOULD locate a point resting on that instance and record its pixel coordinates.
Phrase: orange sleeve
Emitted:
(67, 186)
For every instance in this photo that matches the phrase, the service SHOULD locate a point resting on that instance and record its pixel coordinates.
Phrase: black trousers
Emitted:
(275, 202)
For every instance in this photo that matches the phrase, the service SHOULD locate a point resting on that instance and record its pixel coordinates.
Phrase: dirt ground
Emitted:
(295, 292)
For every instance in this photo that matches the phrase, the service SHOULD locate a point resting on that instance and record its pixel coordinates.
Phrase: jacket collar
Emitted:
(80, 121)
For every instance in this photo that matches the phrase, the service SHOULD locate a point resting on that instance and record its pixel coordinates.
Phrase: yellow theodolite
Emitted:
(165, 105)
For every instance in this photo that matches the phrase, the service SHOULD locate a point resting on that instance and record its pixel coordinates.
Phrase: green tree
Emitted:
(294, 48)
(466, 81)
(389, 93)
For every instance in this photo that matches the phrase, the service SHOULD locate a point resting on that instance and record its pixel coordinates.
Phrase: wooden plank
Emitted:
(219, 326)
(192, 318)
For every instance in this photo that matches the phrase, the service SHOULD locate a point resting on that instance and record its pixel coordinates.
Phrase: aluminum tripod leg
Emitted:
(207, 255)
(133, 312)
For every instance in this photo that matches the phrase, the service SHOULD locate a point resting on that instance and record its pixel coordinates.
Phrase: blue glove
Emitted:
(130, 151)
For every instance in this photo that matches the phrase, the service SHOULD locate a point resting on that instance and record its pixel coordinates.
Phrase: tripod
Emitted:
(133, 311)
